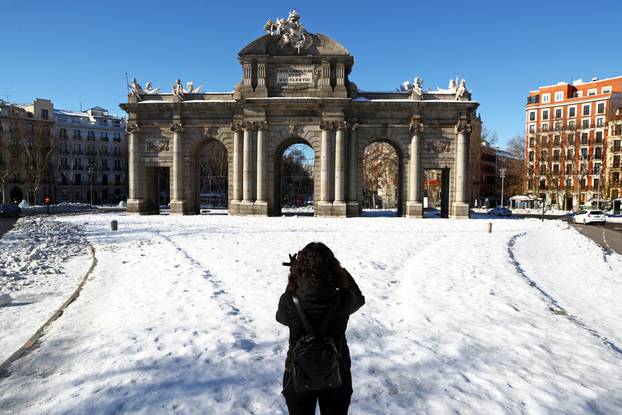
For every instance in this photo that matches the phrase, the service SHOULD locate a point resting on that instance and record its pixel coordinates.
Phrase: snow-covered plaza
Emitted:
(178, 315)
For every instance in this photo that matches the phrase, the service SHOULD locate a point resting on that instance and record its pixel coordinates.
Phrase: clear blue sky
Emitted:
(78, 52)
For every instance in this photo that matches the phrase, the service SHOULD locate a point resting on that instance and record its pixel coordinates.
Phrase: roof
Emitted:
(267, 45)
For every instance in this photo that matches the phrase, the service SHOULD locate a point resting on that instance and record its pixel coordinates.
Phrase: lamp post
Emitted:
(91, 171)
(597, 172)
(502, 172)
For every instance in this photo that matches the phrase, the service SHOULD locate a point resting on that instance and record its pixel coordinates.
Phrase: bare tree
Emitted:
(38, 152)
(9, 162)
(515, 168)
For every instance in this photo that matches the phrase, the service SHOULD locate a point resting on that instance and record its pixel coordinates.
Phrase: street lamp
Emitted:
(597, 171)
(91, 171)
(502, 172)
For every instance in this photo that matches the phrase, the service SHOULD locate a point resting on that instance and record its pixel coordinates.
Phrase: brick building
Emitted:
(566, 141)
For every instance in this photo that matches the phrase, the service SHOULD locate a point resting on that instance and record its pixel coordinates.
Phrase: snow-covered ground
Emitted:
(178, 317)
(41, 264)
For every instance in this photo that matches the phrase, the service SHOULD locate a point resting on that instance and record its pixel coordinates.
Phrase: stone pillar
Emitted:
(238, 148)
(340, 173)
(135, 202)
(261, 167)
(325, 161)
(247, 169)
(178, 203)
(414, 204)
(461, 174)
(352, 208)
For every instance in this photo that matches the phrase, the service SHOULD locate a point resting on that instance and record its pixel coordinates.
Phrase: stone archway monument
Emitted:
(295, 86)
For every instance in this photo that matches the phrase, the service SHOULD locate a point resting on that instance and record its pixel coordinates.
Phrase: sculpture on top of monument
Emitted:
(415, 89)
(178, 89)
(135, 89)
(150, 90)
(191, 89)
(453, 85)
(462, 94)
(291, 32)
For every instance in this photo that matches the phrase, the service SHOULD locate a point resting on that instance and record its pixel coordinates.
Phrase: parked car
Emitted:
(500, 211)
(10, 210)
(589, 216)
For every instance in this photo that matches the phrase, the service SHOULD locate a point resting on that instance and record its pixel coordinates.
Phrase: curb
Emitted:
(34, 340)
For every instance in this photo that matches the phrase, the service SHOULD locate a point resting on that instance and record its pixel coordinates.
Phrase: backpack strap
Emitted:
(303, 316)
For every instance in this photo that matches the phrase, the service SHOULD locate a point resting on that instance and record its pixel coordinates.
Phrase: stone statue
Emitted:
(405, 87)
(462, 93)
(418, 86)
(452, 85)
(178, 89)
(191, 89)
(135, 89)
(149, 90)
(291, 32)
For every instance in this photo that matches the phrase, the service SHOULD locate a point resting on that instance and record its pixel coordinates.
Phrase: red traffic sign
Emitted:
(46, 200)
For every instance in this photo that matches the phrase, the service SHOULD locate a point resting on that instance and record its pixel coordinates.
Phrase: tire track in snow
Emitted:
(243, 335)
(554, 305)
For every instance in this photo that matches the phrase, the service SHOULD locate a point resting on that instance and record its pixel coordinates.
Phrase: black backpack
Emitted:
(316, 359)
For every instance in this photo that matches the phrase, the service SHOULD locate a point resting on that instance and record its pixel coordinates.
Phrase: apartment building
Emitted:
(614, 157)
(566, 141)
(91, 156)
(26, 150)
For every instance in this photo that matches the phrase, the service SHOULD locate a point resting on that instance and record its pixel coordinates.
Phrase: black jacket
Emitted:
(316, 301)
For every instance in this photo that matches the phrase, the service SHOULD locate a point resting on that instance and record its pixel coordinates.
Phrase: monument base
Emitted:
(178, 207)
(460, 210)
(414, 210)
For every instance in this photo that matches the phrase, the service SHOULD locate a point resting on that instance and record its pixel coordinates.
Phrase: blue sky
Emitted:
(78, 52)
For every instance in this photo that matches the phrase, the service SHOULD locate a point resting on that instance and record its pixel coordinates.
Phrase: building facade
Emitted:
(614, 157)
(26, 150)
(90, 164)
(567, 140)
(295, 88)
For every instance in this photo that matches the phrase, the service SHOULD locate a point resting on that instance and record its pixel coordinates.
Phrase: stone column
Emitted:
(135, 199)
(177, 172)
(340, 173)
(237, 162)
(352, 208)
(461, 204)
(261, 168)
(325, 161)
(247, 168)
(414, 204)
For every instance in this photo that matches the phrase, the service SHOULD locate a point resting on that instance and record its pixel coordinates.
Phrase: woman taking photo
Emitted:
(316, 306)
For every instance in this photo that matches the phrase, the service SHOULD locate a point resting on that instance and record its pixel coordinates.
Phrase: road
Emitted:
(609, 235)
(6, 224)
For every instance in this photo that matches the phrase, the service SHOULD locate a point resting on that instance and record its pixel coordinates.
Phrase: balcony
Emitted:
(535, 99)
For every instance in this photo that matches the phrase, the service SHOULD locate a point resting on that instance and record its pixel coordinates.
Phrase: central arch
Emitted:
(209, 173)
(382, 179)
(294, 177)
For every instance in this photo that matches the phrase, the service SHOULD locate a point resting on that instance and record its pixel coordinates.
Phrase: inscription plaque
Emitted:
(294, 75)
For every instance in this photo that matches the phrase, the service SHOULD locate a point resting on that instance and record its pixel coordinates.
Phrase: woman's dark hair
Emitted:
(316, 264)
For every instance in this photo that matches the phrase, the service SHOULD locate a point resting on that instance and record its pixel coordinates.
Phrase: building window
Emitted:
(606, 90)
(558, 112)
(598, 138)
(616, 145)
(78, 179)
(104, 180)
(618, 129)
(545, 127)
(616, 161)
(546, 98)
(556, 141)
(90, 135)
(77, 135)
(532, 128)
(572, 111)
(44, 114)
(569, 182)
(570, 139)
(544, 141)
(585, 123)
(532, 115)
(586, 109)
(559, 96)
(545, 114)
(555, 169)
(598, 153)
(615, 178)
(569, 168)
(569, 153)
(531, 156)
(542, 184)
(600, 122)
(584, 153)
(572, 125)
(542, 168)
(591, 92)
(532, 141)
(600, 108)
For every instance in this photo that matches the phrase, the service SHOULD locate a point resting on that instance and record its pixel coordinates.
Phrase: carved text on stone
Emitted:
(294, 75)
